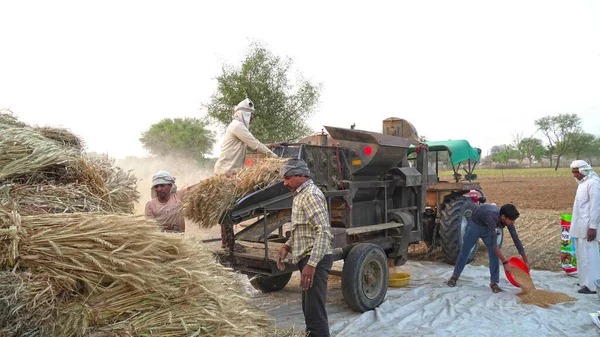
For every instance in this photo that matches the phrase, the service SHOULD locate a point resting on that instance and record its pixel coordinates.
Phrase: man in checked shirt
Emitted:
(310, 244)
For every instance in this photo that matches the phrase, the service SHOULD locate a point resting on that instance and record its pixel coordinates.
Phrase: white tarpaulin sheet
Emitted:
(428, 307)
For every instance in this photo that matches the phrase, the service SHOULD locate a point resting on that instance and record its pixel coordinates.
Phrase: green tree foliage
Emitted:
(582, 144)
(519, 146)
(187, 137)
(559, 130)
(502, 153)
(593, 151)
(533, 148)
(282, 107)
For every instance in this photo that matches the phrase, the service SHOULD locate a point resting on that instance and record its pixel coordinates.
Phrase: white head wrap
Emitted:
(584, 168)
(163, 177)
(243, 111)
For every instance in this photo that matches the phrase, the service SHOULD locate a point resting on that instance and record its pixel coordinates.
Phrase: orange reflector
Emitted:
(356, 162)
(368, 150)
(248, 162)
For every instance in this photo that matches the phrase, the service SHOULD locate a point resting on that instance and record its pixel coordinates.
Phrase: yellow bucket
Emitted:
(398, 280)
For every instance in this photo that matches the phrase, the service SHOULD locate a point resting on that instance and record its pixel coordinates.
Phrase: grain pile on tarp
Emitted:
(531, 295)
(212, 197)
(44, 170)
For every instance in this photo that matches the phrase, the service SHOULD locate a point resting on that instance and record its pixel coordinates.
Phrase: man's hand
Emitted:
(507, 268)
(283, 252)
(306, 279)
(591, 234)
(526, 260)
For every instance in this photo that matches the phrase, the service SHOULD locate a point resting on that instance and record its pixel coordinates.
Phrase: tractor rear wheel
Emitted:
(453, 224)
(365, 277)
(268, 284)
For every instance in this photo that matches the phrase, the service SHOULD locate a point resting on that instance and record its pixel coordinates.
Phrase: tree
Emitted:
(518, 146)
(282, 108)
(186, 137)
(533, 148)
(559, 131)
(582, 143)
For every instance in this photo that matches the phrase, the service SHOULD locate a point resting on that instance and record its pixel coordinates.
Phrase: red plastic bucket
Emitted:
(516, 262)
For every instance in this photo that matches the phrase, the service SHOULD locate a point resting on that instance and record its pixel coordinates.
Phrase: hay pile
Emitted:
(72, 263)
(108, 274)
(44, 170)
(531, 295)
(207, 203)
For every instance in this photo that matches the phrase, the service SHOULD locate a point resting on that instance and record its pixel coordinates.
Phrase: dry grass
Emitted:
(208, 202)
(24, 151)
(62, 136)
(117, 275)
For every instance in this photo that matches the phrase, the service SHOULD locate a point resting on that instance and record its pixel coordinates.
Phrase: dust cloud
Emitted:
(186, 172)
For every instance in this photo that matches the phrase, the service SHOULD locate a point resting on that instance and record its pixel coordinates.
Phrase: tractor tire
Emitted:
(365, 277)
(268, 284)
(453, 222)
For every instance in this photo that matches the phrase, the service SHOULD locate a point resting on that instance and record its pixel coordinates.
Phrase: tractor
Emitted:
(382, 196)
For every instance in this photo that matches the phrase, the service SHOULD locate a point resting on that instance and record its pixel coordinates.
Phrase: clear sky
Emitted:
(478, 70)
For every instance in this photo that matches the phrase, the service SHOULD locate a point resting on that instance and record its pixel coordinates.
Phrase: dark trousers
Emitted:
(472, 233)
(313, 299)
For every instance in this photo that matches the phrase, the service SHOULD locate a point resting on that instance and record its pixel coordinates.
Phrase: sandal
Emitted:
(585, 290)
(452, 281)
(495, 288)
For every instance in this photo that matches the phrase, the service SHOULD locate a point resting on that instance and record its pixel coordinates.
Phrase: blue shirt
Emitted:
(489, 215)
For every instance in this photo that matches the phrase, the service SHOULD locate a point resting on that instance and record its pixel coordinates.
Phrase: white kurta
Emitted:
(233, 149)
(586, 215)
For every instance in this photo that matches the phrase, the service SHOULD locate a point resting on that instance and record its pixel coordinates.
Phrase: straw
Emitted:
(208, 202)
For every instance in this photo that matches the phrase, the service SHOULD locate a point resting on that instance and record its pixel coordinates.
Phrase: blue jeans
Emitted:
(472, 233)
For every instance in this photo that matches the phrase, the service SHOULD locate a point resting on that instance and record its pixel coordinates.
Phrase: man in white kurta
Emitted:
(584, 223)
(237, 138)
(233, 151)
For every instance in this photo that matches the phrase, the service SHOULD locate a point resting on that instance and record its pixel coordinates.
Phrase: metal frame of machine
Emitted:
(377, 207)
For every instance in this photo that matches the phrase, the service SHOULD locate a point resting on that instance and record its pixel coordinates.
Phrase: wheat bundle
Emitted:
(28, 303)
(207, 203)
(24, 151)
(86, 185)
(116, 187)
(49, 198)
(8, 119)
(122, 274)
(62, 136)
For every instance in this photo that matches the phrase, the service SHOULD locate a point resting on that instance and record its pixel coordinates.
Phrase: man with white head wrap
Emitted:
(165, 208)
(584, 224)
(233, 150)
(237, 138)
(310, 244)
